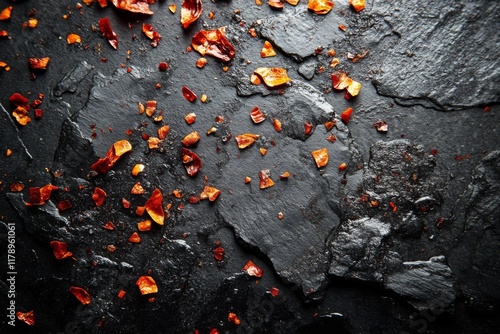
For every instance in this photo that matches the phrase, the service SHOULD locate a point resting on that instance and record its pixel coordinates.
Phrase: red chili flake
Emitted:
(276, 4)
(257, 115)
(134, 6)
(342, 27)
(102, 3)
(121, 294)
(147, 285)
(151, 108)
(190, 12)
(163, 66)
(265, 179)
(214, 331)
(6, 13)
(214, 43)
(232, 317)
(109, 226)
(246, 140)
(151, 33)
(4, 33)
(28, 317)
(357, 5)
(307, 128)
(201, 62)
(154, 207)
(191, 139)
(190, 118)
(99, 196)
(273, 76)
(60, 250)
(346, 115)
(320, 157)
(458, 157)
(393, 206)
(163, 131)
(329, 125)
(144, 225)
(219, 253)
(434, 151)
(210, 192)
(285, 176)
(140, 210)
(486, 109)
(320, 6)
(188, 94)
(381, 126)
(38, 196)
(81, 294)
(16, 187)
(252, 269)
(274, 292)
(277, 125)
(38, 113)
(194, 199)
(137, 189)
(18, 99)
(103, 165)
(192, 162)
(342, 167)
(134, 238)
(39, 63)
(108, 32)
(145, 136)
(64, 205)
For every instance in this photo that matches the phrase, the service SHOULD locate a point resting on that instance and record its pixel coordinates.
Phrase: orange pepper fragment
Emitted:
(252, 269)
(188, 94)
(81, 294)
(144, 226)
(154, 207)
(192, 162)
(32, 23)
(147, 285)
(190, 12)
(190, 118)
(4, 33)
(342, 167)
(246, 140)
(118, 149)
(219, 253)
(172, 8)
(293, 2)
(320, 6)
(277, 4)
(6, 13)
(121, 294)
(109, 226)
(341, 81)
(88, 2)
(201, 62)
(232, 317)
(329, 125)
(138, 168)
(107, 31)
(358, 5)
(28, 317)
(103, 3)
(163, 131)
(263, 151)
(346, 115)
(274, 292)
(154, 142)
(277, 125)
(273, 76)
(214, 43)
(39, 63)
(257, 115)
(210, 192)
(99, 196)
(267, 50)
(134, 6)
(151, 108)
(38, 196)
(73, 38)
(307, 128)
(134, 238)
(320, 157)
(60, 249)
(191, 139)
(151, 33)
(137, 189)
(4, 65)
(21, 115)
(265, 179)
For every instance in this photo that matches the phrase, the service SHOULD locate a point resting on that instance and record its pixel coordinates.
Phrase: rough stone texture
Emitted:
(434, 63)
(474, 259)
(69, 83)
(428, 284)
(355, 249)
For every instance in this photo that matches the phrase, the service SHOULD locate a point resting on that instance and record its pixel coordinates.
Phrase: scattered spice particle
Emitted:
(274, 292)
(27, 317)
(99, 196)
(121, 294)
(109, 226)
(232, 317)
(252, 269)
(6, 13)
(219, 253)
(320, 7)
(134, 238)
(60, 250)
(320, 157)
(147, 285)
(81, 294)
(137, 189)
(190, 12)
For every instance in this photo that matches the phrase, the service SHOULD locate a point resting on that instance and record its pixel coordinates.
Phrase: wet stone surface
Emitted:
(401, 239)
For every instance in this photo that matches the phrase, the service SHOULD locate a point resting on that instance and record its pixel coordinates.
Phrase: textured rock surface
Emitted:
(434, 63)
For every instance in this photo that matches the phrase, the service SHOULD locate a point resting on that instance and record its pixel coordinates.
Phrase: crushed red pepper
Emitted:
(210, 193)
(134, 6)
(28, 317)
(219, 253)
(265, 179)
(147, 285)
(246, 140)
(107, 31)
(103, 165)
(151, 33)
(81, 294)
(192, 162)
(188, 94)
(346, 115)
(99, 196)
(39, 64)
(191, 139)
(60, 249)
(190, 12)
(154, 207)
(232, 317)
(214, 43)
(320, 6)
(320, 157)
(252, 269)
(6, 13)
(273, 76)
(257, 115)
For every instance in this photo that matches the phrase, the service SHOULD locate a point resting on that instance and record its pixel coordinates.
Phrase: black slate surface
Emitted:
(342, 263)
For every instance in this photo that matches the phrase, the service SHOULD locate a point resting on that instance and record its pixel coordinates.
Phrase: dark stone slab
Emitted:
(447, 54)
